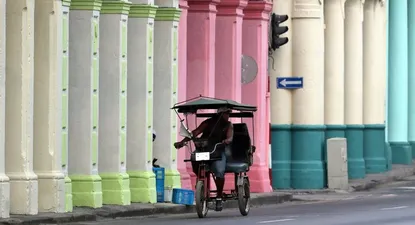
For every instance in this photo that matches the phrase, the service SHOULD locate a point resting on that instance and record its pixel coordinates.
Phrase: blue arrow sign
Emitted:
(289, 82)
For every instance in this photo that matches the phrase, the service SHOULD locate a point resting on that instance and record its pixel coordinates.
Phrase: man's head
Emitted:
(224, 113)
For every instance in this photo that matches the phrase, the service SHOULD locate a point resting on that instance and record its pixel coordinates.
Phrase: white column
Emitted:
(353, 88)
(84, 103)
(308, 163)
(19, 106)
(334, 62)
(308, 61)
(165, 91)
(374, 79)
(113, 103)
(4, 180)
(65, 94)
(140, 102)
(280, 65)
(47, 145)
(353, 62)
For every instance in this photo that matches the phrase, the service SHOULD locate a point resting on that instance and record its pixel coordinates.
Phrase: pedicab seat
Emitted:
(240, 150)
(236, 167)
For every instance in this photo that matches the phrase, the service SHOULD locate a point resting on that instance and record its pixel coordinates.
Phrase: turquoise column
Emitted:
(398, 83)
(411, 75)
(308, 168)
(355, 160)
(281, 156)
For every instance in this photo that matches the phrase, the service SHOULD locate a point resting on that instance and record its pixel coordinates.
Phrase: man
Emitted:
(217, 129)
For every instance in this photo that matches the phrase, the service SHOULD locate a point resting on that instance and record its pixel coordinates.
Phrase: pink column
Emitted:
(255, 44)
(201, 25)
(181, 165)
(228, 55)
(229, 49)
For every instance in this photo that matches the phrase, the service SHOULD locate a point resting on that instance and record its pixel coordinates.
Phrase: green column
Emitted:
(113, 102)
(65, 82)
(165, 90)
(84, 102)
(140, 102)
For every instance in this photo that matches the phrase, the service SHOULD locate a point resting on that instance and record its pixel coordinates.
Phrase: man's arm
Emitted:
(196, 131)
(229, 134)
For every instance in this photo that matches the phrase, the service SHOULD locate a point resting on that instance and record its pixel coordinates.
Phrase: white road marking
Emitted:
(389, 195)
(276, 221)
(408, 188)
(393, 208)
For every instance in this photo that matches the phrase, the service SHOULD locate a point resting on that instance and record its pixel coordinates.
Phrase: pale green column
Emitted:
(113, 102)
(47, 128)
(165, 91)
(65, 94)
(19, 106)
(84, 103)
(140, 103)
(4, 180)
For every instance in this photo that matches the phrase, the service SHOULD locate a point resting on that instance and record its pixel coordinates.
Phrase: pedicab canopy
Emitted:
(192, 105)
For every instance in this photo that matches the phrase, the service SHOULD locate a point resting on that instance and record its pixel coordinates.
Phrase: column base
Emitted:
(172, 179)
(186, 183)
(412, 144)
(68, 195)
(281, 156)
(388, 156)
(259, 179)
(87, 190)
(4, 196)
(51, 192)
(335, 131)
(307, 166)
(356, 162)
(143, 187)
(401, 153)
(374, 148)
(115, 188)
(23, 194)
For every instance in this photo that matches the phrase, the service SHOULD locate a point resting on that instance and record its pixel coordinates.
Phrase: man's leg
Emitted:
(219, 170)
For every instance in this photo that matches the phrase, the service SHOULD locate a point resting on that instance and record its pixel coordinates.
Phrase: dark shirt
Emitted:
(215, 130)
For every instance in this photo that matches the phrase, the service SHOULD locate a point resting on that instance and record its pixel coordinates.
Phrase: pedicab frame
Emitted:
(241, 148)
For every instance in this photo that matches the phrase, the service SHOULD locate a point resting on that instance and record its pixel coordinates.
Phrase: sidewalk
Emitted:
(399, 172)
(113, 211)
(371, 181)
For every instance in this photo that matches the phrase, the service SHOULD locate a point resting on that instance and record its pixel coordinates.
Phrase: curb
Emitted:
(376, 182)
(135, 210)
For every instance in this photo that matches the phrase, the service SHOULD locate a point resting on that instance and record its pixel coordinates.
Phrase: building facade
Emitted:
(355, 57)
(83, 83)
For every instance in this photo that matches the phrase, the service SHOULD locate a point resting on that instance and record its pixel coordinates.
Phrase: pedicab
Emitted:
(238, 162)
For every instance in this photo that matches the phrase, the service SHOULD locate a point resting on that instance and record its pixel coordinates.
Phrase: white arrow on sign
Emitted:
(285, 82)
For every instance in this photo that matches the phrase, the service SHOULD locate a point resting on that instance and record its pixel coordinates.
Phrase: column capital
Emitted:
(142, 11)
(203, 5)
(183, 4)
(258, 10)
(232, 7)
(66, 3)
(168, 14)
(115, 7)
(86, 5)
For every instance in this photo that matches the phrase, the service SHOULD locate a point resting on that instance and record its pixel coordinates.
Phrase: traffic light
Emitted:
(278, 30)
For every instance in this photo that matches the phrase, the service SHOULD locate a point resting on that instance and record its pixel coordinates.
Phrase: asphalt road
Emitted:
(391, 205)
